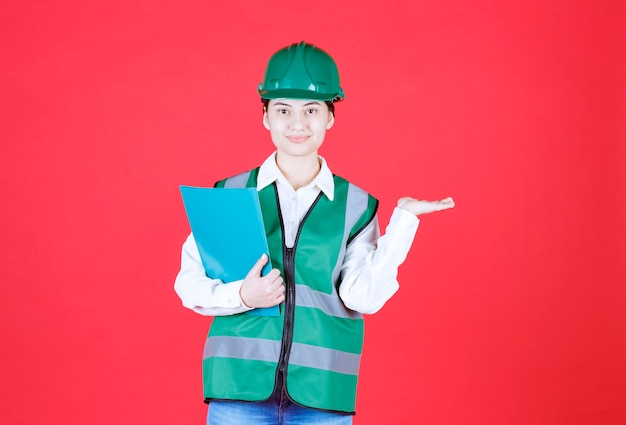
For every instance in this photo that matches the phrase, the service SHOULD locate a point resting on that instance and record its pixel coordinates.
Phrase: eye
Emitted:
(282, 111)
(311, 111)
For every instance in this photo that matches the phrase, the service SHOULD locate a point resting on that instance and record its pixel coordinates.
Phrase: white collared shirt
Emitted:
(368, 274)
(294, 204)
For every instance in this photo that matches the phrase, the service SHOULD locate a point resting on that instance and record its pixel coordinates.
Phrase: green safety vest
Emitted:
(316, 342)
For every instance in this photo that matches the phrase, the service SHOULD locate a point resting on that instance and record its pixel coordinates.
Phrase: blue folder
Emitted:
(228, 228)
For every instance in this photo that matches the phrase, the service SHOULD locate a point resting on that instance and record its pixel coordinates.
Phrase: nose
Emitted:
(297, 121)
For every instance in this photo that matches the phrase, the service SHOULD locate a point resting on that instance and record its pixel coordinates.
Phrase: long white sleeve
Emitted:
(206, 296)
(370, 269)
(369, 272)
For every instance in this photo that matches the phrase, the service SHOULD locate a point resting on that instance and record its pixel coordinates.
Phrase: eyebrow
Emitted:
(314, 102)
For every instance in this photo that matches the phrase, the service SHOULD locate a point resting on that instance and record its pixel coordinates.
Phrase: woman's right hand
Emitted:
(262, 291)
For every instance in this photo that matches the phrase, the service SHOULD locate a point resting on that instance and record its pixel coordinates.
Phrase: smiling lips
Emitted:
(297, 139)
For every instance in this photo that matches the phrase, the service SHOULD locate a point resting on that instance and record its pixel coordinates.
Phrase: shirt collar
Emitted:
(269, 173)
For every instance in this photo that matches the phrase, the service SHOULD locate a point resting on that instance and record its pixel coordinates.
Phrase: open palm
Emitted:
(418, 207)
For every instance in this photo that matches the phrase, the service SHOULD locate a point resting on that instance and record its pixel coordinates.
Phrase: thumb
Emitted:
(255, 271)
(447, 203)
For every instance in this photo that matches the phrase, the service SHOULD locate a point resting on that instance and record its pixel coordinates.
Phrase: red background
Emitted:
(511, 307)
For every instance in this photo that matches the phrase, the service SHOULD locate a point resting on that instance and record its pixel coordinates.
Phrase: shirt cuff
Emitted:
(229, 293)
(403, 221)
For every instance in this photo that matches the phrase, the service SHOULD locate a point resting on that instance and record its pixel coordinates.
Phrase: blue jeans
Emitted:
(278, 410)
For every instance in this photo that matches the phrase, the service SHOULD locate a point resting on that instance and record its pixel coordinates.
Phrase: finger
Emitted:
(441, 207)
(272, 276)
(275, 281)
(275, 286)
(258, 266)
(281, 292)
(447, 202)
(277, 293)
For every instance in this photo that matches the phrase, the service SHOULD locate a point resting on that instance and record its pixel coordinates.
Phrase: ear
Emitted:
(331, 120)
(266, 122)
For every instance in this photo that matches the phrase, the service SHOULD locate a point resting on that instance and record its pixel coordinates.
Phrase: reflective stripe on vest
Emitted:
(242, 351)
(268, 350)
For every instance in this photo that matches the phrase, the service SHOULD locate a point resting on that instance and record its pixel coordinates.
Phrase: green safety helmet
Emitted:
(301, 71)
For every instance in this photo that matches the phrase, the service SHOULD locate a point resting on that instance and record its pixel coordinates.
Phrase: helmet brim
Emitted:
(300, 94)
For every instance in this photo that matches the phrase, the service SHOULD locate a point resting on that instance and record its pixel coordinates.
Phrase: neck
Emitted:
(299, 171)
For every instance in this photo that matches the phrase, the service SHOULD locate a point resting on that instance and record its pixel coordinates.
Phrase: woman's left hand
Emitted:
(418, 207)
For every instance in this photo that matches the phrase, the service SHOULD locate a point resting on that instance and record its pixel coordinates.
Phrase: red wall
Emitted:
(511, 307)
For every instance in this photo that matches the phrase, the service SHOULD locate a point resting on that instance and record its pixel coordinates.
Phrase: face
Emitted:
(297, 126)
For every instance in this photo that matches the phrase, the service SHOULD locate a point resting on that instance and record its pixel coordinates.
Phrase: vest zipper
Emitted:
(290, 297)
(290, 307)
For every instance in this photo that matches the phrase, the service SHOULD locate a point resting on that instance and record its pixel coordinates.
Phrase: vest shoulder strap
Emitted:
(361, 206)
(241, 180)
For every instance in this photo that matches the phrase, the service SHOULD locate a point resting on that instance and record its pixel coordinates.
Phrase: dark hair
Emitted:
(331, 105)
